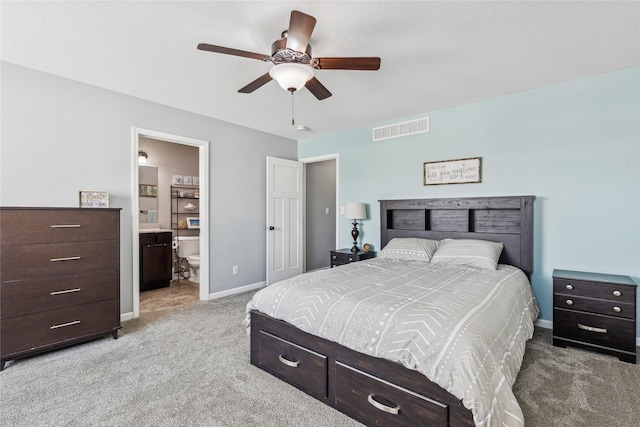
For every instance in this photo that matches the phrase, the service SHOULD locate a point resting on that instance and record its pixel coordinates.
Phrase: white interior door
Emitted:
(285, 188)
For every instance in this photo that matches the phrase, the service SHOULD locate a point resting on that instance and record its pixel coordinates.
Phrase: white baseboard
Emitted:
(126, 316)
(234, 291)
(548, 324)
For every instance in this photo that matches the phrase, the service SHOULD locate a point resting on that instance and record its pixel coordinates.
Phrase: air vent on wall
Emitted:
(401, 129)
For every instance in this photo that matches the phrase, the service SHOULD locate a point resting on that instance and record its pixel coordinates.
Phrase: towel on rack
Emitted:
(152, 216)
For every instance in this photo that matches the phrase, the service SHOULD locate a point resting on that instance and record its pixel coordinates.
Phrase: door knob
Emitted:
(271, 228)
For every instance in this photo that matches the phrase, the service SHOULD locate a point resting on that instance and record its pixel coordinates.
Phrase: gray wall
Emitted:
(60, 136)
(320, 225)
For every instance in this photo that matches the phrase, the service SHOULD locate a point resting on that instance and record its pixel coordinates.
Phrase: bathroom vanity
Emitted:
(60, 278)
(155, 259)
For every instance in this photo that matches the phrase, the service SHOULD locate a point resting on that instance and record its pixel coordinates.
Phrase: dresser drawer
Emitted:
(377, 402)
(598, 306)
(609, 291)
(300, 367)
(46, 293)
(57, 259)
(26, 333)
(27, 226)
(595, 329)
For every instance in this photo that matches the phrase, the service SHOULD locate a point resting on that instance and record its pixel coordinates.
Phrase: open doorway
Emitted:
(195, 188)
(321, 210)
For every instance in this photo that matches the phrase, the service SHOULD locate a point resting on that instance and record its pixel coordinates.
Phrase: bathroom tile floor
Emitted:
(180, 293)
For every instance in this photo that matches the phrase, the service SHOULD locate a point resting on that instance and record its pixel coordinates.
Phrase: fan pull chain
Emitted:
(292, 110)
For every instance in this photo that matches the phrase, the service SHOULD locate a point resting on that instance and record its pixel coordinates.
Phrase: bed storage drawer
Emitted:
(377, 402)
(299, 366)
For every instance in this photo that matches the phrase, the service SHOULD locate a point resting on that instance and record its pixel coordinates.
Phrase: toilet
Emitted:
(189, 248)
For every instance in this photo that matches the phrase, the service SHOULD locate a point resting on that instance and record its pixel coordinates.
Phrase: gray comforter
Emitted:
(463, 328)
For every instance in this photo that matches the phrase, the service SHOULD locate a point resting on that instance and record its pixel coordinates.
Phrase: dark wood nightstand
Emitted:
(595, 312)
(345, 256)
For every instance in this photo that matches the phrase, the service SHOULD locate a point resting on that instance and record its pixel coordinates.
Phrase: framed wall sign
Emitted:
(460, 171)
(94, 199)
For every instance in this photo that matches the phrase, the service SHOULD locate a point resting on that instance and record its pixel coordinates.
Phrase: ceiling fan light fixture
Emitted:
(291, 76)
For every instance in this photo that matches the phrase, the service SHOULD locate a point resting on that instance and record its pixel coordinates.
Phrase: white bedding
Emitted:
(463, 328)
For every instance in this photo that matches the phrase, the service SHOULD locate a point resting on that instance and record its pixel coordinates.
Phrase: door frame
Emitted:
(315, 159)
(203, 159)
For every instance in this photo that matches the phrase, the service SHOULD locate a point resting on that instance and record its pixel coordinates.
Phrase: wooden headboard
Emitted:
(500, 219)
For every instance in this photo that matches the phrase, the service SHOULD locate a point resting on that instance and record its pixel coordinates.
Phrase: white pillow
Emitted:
(409, 249)
(481, 254)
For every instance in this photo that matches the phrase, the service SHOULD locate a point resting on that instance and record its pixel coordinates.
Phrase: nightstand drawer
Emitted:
(591, 305)
(609, 291)
(346, 256)
(341, 258)
(595, 329)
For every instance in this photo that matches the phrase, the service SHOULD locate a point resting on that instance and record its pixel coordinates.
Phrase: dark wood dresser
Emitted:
(595, 312)
(345, 256)
(156, 257)
(60, 281)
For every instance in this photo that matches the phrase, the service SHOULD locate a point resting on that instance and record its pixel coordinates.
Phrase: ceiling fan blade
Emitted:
(256, 84)
(369, 64)
(317, 89)
(300, 29)
(229, 51)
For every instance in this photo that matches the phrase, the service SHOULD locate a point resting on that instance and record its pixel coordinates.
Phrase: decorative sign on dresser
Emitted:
(60, 280)
(596, 312)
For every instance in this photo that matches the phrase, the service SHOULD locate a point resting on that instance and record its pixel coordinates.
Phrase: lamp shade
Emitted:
(291, 75)
(355, 210)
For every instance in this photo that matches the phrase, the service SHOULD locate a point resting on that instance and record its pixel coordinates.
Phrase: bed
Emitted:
(386, 384)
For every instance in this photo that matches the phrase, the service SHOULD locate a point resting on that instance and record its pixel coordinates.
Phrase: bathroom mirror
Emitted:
(148, 193)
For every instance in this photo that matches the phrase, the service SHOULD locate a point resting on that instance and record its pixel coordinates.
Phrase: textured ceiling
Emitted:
(434, 54)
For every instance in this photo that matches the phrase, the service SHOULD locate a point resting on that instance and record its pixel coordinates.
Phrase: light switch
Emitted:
(326, 211)
(341, 210)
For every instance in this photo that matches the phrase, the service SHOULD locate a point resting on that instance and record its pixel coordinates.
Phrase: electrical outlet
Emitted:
(235, 269)
(326, 211)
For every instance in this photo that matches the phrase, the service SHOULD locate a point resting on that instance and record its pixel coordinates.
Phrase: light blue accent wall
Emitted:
(575, 146)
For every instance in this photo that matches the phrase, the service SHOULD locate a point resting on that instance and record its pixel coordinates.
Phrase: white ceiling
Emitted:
(434, 54)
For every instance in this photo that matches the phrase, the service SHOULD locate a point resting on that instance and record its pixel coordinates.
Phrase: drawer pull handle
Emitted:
(334, 257)
(292, 363)
(66, 226)
(68, 258)
(62, 325)
(569, 302)
(617, 309)
(617, 293)
(68, 291)
(388, 409)
(350, 259)
(569, 287)
(592, 329)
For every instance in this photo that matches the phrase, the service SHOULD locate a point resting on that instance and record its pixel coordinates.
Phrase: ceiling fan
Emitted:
(294, 64)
